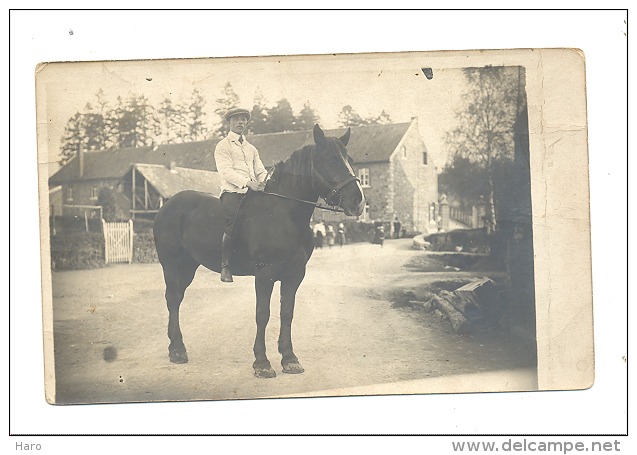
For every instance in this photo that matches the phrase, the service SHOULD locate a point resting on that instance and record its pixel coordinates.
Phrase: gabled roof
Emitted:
(101, 165)
(373, 143)
(114, 163)
(169, 182)
(370, 143)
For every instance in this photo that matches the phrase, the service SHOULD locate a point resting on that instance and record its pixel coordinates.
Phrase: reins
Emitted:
(315, 204)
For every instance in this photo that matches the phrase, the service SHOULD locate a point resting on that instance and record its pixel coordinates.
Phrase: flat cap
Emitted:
(236, 111)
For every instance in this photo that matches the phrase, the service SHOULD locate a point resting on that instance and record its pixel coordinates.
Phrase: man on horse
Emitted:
(240, 169)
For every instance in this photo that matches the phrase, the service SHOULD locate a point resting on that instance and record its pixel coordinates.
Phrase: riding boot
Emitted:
(227, 250)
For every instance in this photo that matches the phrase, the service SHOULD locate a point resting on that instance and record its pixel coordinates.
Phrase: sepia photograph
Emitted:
(312, 226)
(334, 231)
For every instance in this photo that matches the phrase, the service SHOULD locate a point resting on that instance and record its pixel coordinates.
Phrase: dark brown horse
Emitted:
(273, 238)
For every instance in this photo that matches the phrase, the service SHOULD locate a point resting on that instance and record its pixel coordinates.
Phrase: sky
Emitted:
(370, 83)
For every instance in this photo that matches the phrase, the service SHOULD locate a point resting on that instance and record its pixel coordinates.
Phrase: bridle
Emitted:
(334, 189)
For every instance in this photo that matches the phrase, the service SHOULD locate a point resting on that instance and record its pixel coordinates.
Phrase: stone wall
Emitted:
(378, 194)
(415, 184)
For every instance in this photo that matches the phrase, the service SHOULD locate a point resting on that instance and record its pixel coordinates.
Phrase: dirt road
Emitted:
(111, 344)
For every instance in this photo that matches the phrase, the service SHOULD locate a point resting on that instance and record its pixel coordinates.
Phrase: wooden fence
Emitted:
(118, 241)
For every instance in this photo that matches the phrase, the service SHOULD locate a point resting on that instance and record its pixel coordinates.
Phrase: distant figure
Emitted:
(319, 234)
(330, 235)
(396, 228)
(340, 235)
(379, 236)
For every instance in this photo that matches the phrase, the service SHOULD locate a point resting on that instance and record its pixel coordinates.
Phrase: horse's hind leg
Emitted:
(178, 277)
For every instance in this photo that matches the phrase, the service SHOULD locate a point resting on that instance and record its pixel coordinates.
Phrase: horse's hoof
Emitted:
(292, 368)
(178, 356)
(264, 373)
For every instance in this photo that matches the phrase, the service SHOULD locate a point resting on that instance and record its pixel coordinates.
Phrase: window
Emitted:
(69, 194)
(363, 176)
(424, 157)
(94, 192)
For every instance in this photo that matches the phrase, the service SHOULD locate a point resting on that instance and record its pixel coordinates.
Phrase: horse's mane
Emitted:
(296, 164)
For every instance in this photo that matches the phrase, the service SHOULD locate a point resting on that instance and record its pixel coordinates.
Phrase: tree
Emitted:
(103, 108)
(133, 122)
(83, 132)
(382, 119)
(259, 122)
(170, 126)
(110, 209)
(196, 117)
(94, 129)
(71, 138)
(463, 179)
(307, 118)
(281, 118)
(226, 101)
(483, 136)
(88, 130)
(349, 117)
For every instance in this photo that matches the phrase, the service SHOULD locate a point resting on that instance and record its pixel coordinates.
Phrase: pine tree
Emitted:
(349, 117)
(93, 129)
(382, 119)
(103, 108)
(307, 118)
(227, 101)
(196, 117)
(133, 121)
(259, 121)
(71, 139)
(281, 118)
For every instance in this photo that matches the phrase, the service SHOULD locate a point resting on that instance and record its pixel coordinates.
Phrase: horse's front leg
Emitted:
(289, 286)
(264, 283)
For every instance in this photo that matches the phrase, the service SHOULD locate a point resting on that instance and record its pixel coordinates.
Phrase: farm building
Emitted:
(392, 162)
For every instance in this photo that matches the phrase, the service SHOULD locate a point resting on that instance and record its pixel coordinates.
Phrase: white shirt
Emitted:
(238, 163)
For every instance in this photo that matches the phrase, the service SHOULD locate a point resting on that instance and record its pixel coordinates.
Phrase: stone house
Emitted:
(396, 172)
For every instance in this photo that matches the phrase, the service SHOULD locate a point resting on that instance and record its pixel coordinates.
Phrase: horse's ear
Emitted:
(345, 137)
(319, 135)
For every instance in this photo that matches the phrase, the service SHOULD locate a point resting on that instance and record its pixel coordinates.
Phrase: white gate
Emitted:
(118, 241)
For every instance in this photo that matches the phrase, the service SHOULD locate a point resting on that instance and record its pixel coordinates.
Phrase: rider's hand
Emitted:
(256, 186)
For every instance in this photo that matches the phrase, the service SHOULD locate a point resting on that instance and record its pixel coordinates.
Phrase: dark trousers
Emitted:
(231, 203)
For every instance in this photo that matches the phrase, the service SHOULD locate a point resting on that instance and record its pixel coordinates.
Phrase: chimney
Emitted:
(80, 160)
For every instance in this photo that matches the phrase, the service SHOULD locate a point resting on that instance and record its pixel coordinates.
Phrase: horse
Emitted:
(273, 238)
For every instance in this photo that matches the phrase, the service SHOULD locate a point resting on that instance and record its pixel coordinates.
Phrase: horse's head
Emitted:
(333, 174)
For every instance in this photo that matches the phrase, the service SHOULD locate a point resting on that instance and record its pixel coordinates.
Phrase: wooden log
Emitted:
(457, 302)
(480, 294)
(458, 322)
(425, 305)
